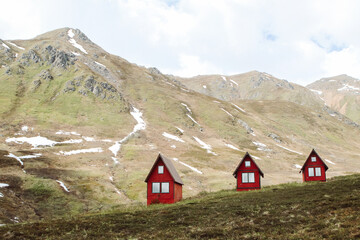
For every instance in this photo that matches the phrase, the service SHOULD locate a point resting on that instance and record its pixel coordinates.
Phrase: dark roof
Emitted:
(170, 167)
(247, 154)
(313, 151)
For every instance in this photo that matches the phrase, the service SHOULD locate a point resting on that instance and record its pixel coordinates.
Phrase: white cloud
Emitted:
(300, 41)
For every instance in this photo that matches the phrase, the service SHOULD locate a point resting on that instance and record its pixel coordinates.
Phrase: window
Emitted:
(318, 172)
(161, 169)
(311, 172)
(248, 177)
(313, 159)
(247, 163)
(165, 187)
(155, 187)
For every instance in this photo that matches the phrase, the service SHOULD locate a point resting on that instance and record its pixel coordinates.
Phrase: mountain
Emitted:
(287, 211)
(253, 85)
(341, 93)
(80, 129)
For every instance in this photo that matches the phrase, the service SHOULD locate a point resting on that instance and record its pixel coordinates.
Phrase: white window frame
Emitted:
(160, 169)
(247, 164)
(251, 179)
(168, 187)
(318, 171)
(245, 177)
(311, 172)
(152, 187)
(313, 159)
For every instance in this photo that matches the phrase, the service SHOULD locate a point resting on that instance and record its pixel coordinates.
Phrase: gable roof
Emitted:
(313, 151)
(247, 154)
(170, 167)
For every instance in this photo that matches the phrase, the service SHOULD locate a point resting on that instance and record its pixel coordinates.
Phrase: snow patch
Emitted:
(289, 149)
(1, 195)
(330, 162)
(192, 119)
(227, 113)
(141, 125)
(173, 137)
(74, 43)
(116, 161)
(185, 90)
(332, 80)
(224, 78)
(100, 64)
(216, 101)
(88, 139)
(232, 147)
(61, 132)
(347, 87)
(234, 82)
(187, 165)
(187, 108)
(238, 107)
(89, 150)
(3, 185)
(5, 46)
(316, 91)
(63, 185)
(16, 45)
(204, 86)
(173, 146)
(24, 128)
(17, 158)
(111, 178)
(205, 146)
(76, 54)
(182, 131)
(297, 166)
(257, 158)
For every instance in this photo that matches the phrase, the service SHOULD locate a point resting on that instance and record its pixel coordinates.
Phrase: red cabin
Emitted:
(247, 174)
(164, 184)
(314, 168)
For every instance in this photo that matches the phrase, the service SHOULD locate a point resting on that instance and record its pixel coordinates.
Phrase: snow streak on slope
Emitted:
(347, 87)
(40, 141)
(141, 125)
(232, 147)
(170, 136)
(205, 146)
(63, 185)
(289, 149)
(17, 158)
(330, 162)
(5, 46)
(187, 165)
(316, 91)
(227, 112)
(192, 119)
(238, 107)
(187, 108)
(74, 43)
(16, 46)
(90, 150)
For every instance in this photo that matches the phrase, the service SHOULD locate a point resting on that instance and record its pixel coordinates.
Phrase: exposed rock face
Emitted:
(90, 85)
(58, 58)
(275, 137)
(340, 117)
(245, 125)
(37, 84)
(30, 56)
(154, 70)
(46, 75)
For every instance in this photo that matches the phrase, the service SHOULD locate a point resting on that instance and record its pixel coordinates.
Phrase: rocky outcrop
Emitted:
(30, 56)
(275, 137)
(245, 125)
(46, 75)
(88, 85)
(58, 58)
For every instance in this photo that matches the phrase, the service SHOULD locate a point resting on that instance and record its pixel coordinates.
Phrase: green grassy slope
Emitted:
(288, 211)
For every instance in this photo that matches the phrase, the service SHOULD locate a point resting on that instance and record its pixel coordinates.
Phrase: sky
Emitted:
(297, 40)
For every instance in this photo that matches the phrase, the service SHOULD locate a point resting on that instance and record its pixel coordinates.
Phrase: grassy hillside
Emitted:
(288, 211)
(49, 85)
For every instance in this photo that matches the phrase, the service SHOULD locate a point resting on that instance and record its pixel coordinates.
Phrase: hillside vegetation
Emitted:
(288, 211)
